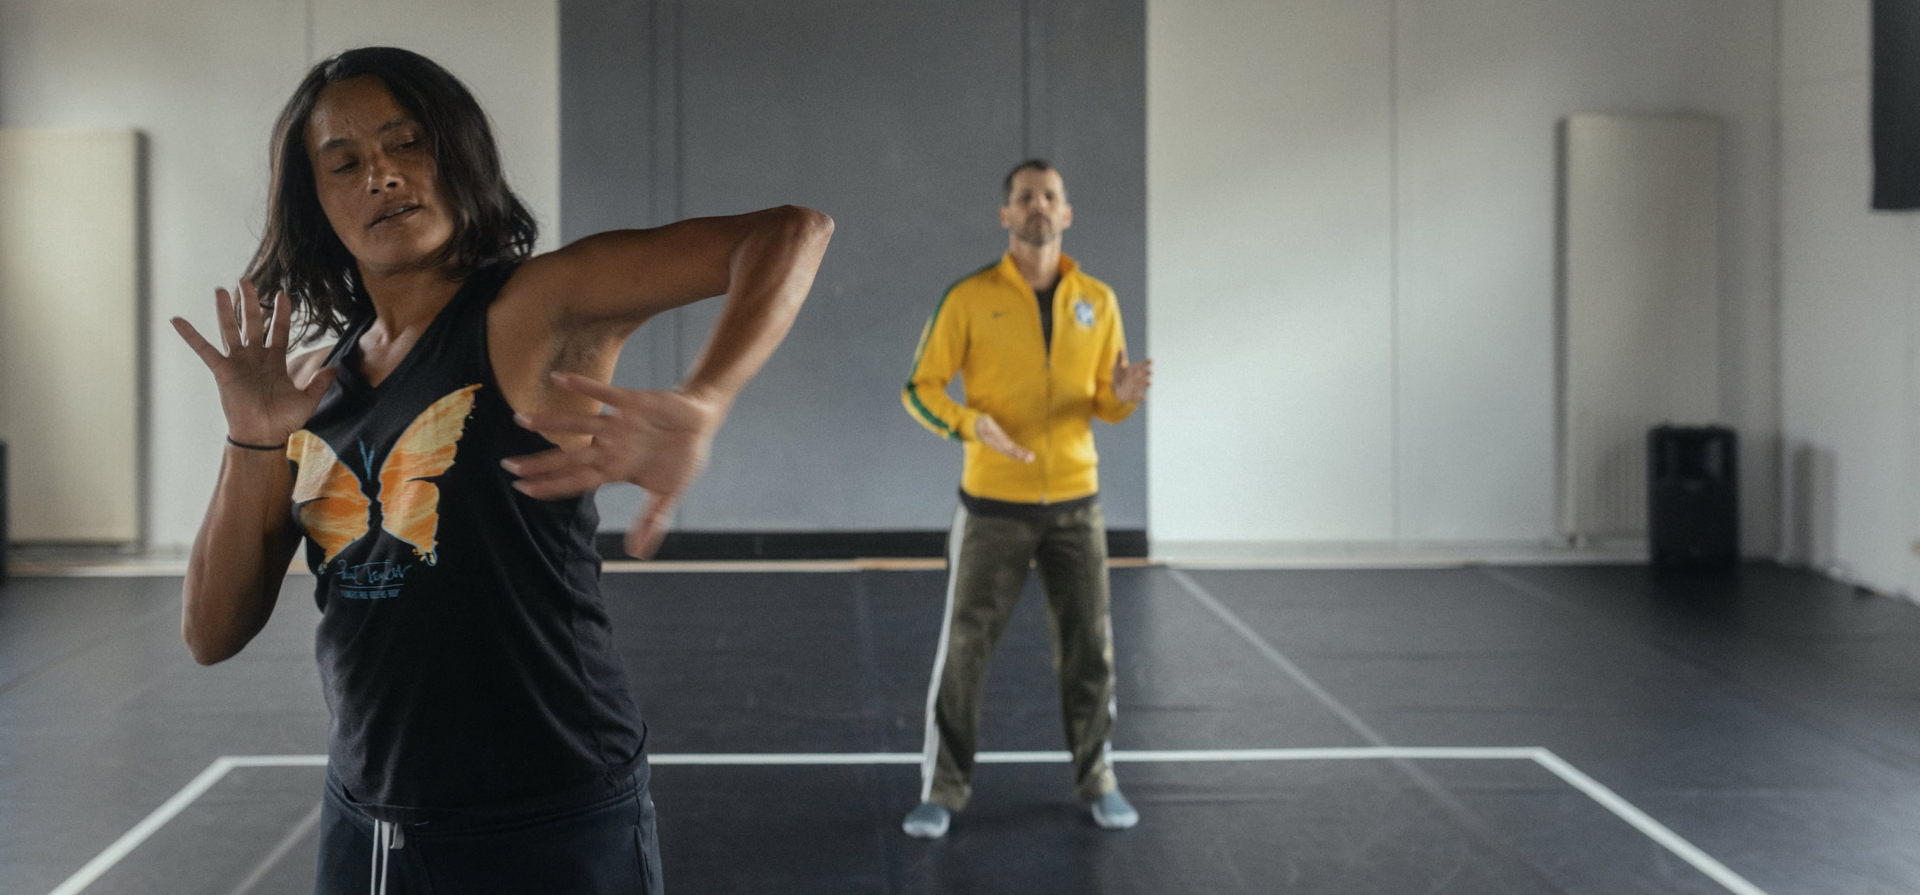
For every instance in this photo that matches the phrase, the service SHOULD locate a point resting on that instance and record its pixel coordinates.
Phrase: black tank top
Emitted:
(466, 657)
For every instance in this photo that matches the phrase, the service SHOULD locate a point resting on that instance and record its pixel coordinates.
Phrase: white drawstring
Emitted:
(386, 837)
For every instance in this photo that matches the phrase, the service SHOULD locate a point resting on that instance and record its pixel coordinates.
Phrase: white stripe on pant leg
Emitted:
(1113, 676)
(930, 750)
(386, 838)
(1113, 718)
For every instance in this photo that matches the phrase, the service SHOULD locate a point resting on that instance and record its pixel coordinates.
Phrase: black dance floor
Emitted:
(1595, 730)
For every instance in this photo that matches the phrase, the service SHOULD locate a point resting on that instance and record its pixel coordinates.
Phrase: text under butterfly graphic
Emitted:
(337, 512)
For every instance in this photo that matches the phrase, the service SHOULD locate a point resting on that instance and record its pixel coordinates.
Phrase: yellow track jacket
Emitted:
(987, 328)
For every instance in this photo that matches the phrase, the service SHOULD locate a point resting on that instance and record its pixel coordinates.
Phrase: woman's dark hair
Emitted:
(300, 253)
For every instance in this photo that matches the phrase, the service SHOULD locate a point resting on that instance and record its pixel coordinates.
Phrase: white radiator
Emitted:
(1640, 322)
(69, 325)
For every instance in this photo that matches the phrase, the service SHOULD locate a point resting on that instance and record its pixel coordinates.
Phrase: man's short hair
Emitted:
(1032, 164)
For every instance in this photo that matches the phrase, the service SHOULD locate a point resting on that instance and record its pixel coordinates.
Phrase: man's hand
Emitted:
(658, 440)
(991, 435)
(1130, 381)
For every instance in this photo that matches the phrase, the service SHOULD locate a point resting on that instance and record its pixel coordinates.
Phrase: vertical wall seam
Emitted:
(1026, 78)
(143, 427)
(1393, 261)
(669, 46)
(1146, 313)
(1783, 463)
(1038, 102)
(554, 234)
(652, 43)
(679, 169)
(1908, 542)
(679, 106)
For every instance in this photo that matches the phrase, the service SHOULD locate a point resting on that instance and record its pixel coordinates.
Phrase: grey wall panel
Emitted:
(1093, 106)
(899, 119)
(618, 79)
(606, 101)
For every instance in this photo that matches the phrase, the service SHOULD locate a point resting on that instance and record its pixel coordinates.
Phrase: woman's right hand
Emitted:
(262, 403)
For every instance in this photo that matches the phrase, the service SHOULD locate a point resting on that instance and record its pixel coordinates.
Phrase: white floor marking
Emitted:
(773, 759)
(1607, 798)
(1559, 767)
(1331, 753)
(175, 567)
(277, 761)
(1655, 830)
(1313, 688)
(103, 862)
(299, 832)
(1380, 749)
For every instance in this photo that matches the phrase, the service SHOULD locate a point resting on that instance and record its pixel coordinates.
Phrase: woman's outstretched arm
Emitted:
(241, 552)
(605, 286)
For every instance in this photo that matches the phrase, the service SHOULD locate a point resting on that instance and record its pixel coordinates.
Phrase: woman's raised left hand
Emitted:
(659, 440)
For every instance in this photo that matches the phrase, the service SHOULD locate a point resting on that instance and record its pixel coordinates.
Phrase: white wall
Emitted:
(203, 80)
(1269, 270)
(1850, 296)
(1351, 254)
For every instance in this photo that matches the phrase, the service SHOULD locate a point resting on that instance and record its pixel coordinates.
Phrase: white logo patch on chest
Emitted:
(1083, 312)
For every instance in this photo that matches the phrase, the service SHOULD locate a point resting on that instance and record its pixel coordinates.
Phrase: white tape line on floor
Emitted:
(1607, 798)
(1559, 767)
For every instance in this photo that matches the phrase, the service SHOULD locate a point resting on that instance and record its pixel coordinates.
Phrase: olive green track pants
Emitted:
(987, 560)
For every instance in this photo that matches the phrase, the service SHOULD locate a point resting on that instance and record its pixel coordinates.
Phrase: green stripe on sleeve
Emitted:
(920, 354)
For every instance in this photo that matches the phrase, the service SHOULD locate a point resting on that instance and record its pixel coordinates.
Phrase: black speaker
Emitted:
(1896, 104)
(1693, 497)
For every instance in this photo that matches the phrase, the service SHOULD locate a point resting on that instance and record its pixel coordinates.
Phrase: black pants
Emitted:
(606, 846)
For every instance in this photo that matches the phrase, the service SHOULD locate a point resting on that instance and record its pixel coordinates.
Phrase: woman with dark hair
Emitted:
(439, 461)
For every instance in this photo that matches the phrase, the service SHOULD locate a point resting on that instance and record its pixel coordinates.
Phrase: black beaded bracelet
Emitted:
(257, 447)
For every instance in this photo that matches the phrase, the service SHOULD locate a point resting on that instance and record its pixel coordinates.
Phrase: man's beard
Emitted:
(1037, 231)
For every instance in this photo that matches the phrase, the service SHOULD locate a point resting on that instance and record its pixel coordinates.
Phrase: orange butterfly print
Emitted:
(337, 512)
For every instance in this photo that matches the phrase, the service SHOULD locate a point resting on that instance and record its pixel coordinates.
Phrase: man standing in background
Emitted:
(1041, 351)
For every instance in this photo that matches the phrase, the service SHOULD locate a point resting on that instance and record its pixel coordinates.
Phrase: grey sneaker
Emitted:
(1113, 812)
(929, 821)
